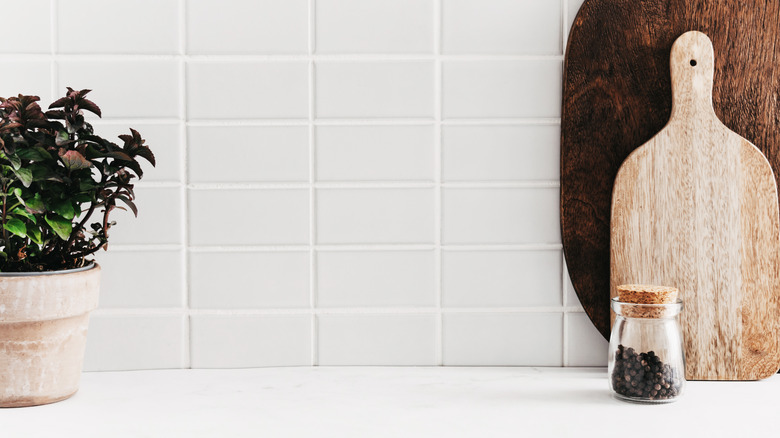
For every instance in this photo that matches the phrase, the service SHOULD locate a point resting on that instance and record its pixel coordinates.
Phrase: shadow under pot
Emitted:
(43, 333)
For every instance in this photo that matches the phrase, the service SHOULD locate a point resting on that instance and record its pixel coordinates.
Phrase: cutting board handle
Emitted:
(692, 66)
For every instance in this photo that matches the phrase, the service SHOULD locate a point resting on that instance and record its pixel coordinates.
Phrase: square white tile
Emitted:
(97, 26)
(374, 89)
(501, 153)
(158, 222)
(501, 26)
(240, 26)
(501, 216)
(125, 88)
(32, 78)
(250, 341)
(267, 153)
(249, 280)
(376, 279)
(501, 278)
(164, 139)
(374, 26)
(378, 339)
(19, 35)
(502, 88)
(253, 217)
(503, 339)
(375, 153)
(247, 90)
(351, 216)
(587, 348)
(160, 285)
(116, 343)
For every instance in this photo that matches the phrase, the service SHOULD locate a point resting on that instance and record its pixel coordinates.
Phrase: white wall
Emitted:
(341, 182)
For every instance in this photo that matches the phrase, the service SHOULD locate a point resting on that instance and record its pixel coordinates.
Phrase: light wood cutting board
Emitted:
(696, 207)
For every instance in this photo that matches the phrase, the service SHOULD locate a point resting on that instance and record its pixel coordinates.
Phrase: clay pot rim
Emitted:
(90, 266)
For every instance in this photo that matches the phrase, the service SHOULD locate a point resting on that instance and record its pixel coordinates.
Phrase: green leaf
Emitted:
(19, 211)
(64, 208)
(16, 162)
(35, 204)
(16, 226)
(36, 153)
(34, 233)
(61, 226)
(25, 176)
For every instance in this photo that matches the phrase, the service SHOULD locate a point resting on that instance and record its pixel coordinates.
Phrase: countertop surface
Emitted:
(389, 402)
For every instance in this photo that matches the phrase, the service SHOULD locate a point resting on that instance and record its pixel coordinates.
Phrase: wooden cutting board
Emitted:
(617, 95)
(696, 207)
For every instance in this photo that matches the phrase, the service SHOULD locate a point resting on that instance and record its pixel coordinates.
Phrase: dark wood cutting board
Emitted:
(617, 95)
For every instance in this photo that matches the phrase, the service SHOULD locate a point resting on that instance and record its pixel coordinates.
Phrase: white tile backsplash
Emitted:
(339, 182)
(502, 88)
(249, 280)
(267, 153)
(159, 218)
(501, 153)
(501, 216)
(17, 34)
(159, 286)
(375, 216)
(143, 88)
(83, 27)
(377, 339)
(502, 26)
(501, 278)
(503, 339)
(247, 90)
(587, 348)
(349, 89)
(375, 153)
(376, 279)
(247, 27)
(134, 342)
(26, 77)
(250, 341)
(374, 26)
(249, 217)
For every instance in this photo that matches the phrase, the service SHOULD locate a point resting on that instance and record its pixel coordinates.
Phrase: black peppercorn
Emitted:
(644, 375)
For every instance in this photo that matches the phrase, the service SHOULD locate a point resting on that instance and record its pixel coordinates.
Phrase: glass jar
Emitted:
(646, 359)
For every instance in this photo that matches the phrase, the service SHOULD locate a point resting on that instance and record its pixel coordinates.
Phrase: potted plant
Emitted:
(59, 183)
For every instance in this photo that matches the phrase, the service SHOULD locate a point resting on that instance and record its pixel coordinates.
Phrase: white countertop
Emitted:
(389, 402)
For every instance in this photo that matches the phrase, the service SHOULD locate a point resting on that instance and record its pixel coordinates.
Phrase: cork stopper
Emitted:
(646, 294)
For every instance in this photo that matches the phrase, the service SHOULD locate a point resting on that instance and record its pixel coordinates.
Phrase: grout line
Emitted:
(438, 110)
(250, 57)
(337, 247)
(185, 232)
(313, 281)
(360, 185)
(176, 311)
(400, 121)
(347, 122)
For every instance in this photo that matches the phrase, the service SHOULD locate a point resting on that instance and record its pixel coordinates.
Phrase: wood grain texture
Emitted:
(617, 95)
(696, 208)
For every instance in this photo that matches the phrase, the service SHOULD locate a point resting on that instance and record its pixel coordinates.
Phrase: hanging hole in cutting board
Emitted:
(693, 63)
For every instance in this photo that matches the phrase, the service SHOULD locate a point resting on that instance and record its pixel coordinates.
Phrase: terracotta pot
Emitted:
(43, 332)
